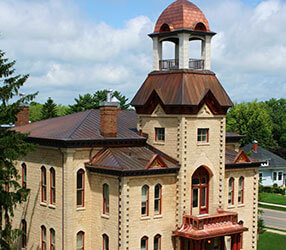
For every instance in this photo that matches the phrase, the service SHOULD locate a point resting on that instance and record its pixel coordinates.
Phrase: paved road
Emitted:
(274, 218)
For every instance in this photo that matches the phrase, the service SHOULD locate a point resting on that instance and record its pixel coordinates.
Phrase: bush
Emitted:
(274, 189)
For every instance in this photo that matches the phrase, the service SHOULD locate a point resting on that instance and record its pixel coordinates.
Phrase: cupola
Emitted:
(181, 23)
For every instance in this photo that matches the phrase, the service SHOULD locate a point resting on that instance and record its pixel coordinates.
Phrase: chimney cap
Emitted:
(255, 142)
(110, 101)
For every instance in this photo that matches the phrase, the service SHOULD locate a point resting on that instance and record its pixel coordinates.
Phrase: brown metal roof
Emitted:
(131, 158)
(81, 126)
(181, 87)
(182, 14)
(232, 157)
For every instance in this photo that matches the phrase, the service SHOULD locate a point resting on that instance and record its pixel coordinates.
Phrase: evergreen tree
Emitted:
(12, 147)
(89, 101)
(49, 109)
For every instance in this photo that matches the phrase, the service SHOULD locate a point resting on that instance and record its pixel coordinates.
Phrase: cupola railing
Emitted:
(171, 64)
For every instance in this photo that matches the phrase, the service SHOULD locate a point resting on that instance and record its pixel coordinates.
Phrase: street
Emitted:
(274, 218)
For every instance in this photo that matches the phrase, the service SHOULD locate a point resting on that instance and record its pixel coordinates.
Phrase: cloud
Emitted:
(68, 53)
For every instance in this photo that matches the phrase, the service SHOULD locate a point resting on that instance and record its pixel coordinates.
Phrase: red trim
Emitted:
(82, 189)
(52, 245)
(157, 158)
(160, 199)
(241, 157)
(43, 242)
(105, 198)
(105, 237)
(43, 184)
(52, 186)
(24, 175)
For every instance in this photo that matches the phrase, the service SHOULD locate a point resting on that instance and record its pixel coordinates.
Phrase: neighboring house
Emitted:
(273, 167)
(160, 177)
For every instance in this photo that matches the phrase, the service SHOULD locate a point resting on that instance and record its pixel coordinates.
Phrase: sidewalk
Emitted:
(275, 231)
(271, 204)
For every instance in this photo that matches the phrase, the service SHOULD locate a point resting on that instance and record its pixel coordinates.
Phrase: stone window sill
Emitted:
(145, 218)
(52, 206)
(241, 205)
(231, 207)
(158, 216)
(203, 143)
(80, 208)
(105, 216)
(159, 143)
(43, 204)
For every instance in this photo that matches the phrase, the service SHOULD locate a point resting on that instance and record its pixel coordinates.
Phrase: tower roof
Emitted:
(182, 14)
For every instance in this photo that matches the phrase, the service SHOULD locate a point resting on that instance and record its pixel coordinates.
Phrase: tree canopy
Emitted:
(12, 148)
(49, 109)
(92, 101)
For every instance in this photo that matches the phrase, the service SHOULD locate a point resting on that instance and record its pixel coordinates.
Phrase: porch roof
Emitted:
(210, 226)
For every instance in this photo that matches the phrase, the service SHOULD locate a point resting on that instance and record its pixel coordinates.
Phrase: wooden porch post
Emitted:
(235, 242)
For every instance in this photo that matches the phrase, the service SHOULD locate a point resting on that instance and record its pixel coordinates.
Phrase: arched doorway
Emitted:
(200, 191)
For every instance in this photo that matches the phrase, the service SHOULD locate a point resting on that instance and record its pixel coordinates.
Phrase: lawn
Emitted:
(271, 241)
(273, 198)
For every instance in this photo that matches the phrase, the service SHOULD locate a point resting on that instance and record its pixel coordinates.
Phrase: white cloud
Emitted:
(68, 54)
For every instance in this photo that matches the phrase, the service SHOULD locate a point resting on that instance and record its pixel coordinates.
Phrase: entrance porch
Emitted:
(208, 232)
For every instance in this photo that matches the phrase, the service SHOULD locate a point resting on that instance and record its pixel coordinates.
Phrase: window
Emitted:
(52, 239)
(158, 199)
(105, 199)
(145, 201)
(53, 185)
(265, 164)
(241, 190)
(43, 238)
(157, 242)
(24, 235)
(231, 191)
(80, 188)
(44, 184)
(280, 176)
(144, 243)
(160, 134)
(274, 176)
(105, 242)
(203, 135)
(80, 241)
(24, 175)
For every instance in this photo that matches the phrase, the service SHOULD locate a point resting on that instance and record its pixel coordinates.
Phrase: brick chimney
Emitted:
(23, 116)
(108, 116)
(254, 146)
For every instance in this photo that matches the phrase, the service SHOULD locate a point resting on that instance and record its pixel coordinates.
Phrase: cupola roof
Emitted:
(182, 14)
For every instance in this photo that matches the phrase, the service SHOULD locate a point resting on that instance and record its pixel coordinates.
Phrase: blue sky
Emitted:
(72, 47)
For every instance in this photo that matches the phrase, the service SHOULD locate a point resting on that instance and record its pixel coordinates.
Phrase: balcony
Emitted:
(171, 64)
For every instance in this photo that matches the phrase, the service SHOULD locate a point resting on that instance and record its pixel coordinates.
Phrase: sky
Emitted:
(72, 47)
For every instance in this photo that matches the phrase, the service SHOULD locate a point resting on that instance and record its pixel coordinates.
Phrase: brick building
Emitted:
(164, 177)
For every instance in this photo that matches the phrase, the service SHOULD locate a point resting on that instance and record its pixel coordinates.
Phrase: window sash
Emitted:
(203, 135)
(158, 199)
(231, 192)
(44, 184)
(44, 239)
(53, 186)
(52, 240)
(159, 134)
(144, 244)
(105, 242)
(80, 241)
(105, 199)
(80, 188)
(157, 243)
(145, 201)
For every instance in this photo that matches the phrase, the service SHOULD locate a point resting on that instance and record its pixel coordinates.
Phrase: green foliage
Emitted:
(89, 101)
(12, 147)
(253, 120)
(49, 109)
(35, 111)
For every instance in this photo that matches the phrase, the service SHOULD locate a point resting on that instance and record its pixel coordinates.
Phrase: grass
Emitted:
(273, 207)
(272, 198)
(268, 241)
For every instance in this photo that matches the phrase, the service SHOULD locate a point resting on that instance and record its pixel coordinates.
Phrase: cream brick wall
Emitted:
(247, 212)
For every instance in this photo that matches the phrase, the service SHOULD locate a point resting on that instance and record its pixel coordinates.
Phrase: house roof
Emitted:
(263, 155)
(81, 126)
(141, 159)
(182, 88)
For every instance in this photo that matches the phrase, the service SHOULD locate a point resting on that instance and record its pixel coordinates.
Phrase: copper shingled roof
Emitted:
(80, 126)
(130, 158)
(181, 87)
(181, 14)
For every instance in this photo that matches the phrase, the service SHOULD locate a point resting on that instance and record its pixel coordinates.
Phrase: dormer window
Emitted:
(265, 164)
(203, 135)
(159, 134)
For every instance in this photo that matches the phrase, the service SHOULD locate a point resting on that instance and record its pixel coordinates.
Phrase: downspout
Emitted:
(63, 200)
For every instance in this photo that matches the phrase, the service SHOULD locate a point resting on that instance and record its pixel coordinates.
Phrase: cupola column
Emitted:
(206, 52)
(157, 53)
(184, 50)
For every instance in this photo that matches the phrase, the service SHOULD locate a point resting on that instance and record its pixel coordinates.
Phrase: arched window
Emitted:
(165, 28)
(80, 188)
(241, 190)
(158, 199)
(44, 184)
(53, 185)
(145, 201)
(24, 175)
(144, 243)
(43, 238)
(24, 235)
(231, 191)
(52, 239)
(157, 242)
(200, 27)
(80, 240)
(105, 199)
(105, 242)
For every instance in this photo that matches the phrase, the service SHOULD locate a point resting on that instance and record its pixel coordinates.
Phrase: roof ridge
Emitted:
(114, 157)
(81, 122)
